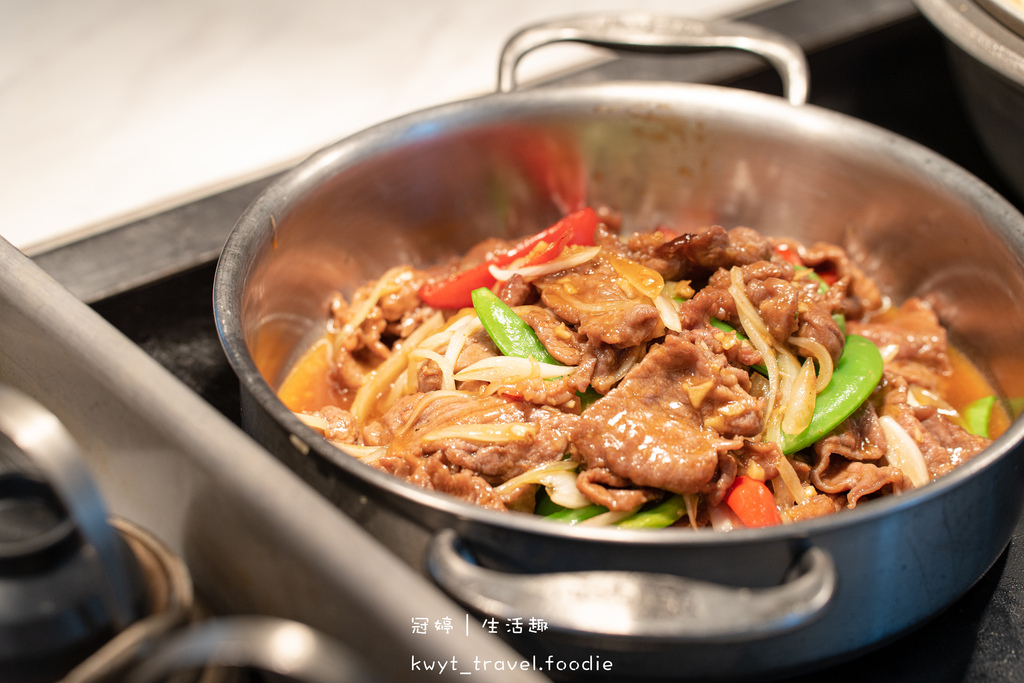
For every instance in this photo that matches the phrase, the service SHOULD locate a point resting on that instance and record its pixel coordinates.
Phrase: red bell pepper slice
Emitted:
(788, 254)
(752, 502)
(826, 272)
(542, 254)
(455, 291)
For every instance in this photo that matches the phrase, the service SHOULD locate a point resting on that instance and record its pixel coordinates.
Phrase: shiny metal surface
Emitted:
(635, 606)
(427, 186)
(979, 33)
(52, 449)
(653, 33)
(987, 57)
(171, 603)
(277, 646)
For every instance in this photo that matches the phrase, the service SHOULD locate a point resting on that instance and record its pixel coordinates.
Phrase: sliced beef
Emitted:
(612, 364)
(603, 487)
(594, 297)
(851, 459)
(433, 474)
(914, 340)
(364, 338)
(820, 505)
(712, 301)
(859, 437)
(563, 343)
(715, 300)
(943, 444)
(777, 302)
(698, 254)
(518, 292)
(859, 479)
(400, 303)
(817, 324)
(644, 248)
(396, 312)
(556, 392)
(413, 428)
(959, 444)
(341, 425)
(670, 418)
(788, 307)
(860, 293)
(478, 346)
(738, 351)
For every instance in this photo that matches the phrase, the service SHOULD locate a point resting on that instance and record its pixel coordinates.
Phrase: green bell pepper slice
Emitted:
(854, 377)
(510, 333)
(665, 513)
(575, 516)
(978, 414)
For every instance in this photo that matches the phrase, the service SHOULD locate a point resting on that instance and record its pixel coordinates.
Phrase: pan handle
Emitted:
(636, 606)
(657, 33)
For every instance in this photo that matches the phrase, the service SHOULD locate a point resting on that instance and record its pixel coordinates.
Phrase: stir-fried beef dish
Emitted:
(716, 378)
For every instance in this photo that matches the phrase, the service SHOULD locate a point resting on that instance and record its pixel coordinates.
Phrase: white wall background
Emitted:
(113, 109)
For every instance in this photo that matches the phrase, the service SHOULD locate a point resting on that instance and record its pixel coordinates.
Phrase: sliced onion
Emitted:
(559, 478)
(647, 281)
(635, 354)
(455, 323)
(424, 401)
(690, 500)
(511, 369)
(366, 454)
(790, 479)
(889, 352)
(817, 351)
(447, 372)
(920, 396)
(458, 340)
(903, 451)
(789, 370)
(562, 490)
(536, 474)
(571, 259)
(361, 313)
(608, 518)
(783, 496)
(506, 432)
(386, 373)
(668, 312)
(758, 335)
(800, 406)
(723, 518)
(314, 421)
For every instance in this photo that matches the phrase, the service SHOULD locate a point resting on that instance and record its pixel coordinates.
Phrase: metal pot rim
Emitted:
(254, 228)
(977, 32)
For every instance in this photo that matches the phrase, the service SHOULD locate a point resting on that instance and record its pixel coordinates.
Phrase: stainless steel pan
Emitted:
(670, 603)
(986, 50)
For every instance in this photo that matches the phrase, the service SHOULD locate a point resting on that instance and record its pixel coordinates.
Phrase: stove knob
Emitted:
(68, 581)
